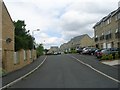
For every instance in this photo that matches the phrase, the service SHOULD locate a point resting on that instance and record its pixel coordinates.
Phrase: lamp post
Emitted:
(33, 35)
(33, 42)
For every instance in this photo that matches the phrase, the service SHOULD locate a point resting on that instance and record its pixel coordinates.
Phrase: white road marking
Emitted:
(22, 77)
(96, 70)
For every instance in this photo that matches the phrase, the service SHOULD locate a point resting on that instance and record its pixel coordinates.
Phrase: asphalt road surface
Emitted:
(63, 71)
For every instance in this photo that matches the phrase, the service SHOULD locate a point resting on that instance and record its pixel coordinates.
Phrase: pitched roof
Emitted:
(106, 17)
(78, 38)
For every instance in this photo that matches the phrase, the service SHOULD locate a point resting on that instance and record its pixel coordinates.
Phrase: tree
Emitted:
(40, 50)
(23, 40)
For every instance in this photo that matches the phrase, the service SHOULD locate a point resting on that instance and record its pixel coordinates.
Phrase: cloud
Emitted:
(59, 20)
(47, 40)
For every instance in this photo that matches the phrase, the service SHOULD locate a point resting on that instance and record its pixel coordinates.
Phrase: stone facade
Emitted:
(78, 42)
(0, 33)
(53, 49)
(7, 39)
(107, 31)
(12, 60)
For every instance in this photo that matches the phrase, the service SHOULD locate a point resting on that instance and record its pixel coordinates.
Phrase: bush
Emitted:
(73, 51)
(116, 55)
(65, 52)
(110, 57)
(2, 72)
(104, 57)
(107, 57)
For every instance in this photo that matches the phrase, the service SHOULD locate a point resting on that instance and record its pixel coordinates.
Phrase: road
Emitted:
(64, 71)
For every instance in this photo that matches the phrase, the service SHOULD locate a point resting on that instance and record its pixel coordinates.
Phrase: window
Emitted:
(109, 32)
(102, 37)
(117, 34)
(116, 30)
(96, 39)
(108, 21)
(118, 15)
(108, 35)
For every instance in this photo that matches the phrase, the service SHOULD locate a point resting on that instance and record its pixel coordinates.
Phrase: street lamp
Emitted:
(33, 35)
(33, 41)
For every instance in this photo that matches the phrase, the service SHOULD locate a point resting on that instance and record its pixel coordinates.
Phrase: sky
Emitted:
(59, 20)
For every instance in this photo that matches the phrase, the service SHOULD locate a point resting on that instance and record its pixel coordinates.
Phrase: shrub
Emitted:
(65, 52)
(116, 55)
(73, 51)
(104, 57)
(2, 72)
(110, 57)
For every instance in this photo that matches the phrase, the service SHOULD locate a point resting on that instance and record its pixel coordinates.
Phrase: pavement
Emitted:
(111, 62)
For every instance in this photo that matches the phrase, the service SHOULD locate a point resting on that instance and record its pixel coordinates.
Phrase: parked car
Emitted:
(113, 51)
(79, 50)
(91, 51)
(98, 53)
(85, 51)
(57, 53)
(107, 52)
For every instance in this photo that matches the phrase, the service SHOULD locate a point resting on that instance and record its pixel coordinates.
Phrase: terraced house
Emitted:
(107, 31)
(78, 42)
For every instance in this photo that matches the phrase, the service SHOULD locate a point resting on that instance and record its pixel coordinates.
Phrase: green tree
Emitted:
(23, 40)
(40, 50)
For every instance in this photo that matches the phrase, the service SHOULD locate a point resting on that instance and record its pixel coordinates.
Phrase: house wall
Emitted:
(10, 60)
(81, 41)
(7, 32)
(86, 42)
(0, 33)
(104, 29)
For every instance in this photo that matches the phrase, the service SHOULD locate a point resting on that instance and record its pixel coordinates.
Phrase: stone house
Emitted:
(7, 39)
(107, 31)
(53, 49)
(78, 42)
(11, 60)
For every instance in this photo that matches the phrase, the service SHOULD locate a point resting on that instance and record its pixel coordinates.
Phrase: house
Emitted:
(78, 42)
(0, 34)
(107, 31)
(53, 49)
(11, 60)
(7, 39)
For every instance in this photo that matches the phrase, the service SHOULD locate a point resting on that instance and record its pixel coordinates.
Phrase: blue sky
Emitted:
(59, 20)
